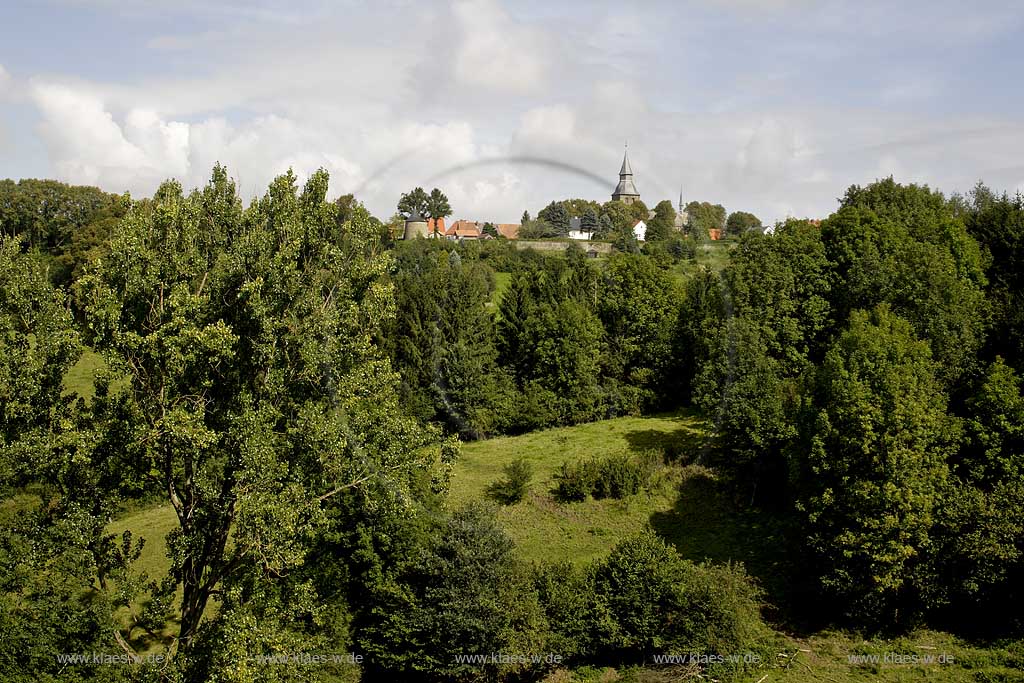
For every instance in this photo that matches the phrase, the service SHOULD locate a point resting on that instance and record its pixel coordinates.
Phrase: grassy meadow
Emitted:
(684, 502)
(686, 505)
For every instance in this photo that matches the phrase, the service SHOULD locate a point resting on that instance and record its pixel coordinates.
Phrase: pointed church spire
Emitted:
(625, 170)
(626, 191)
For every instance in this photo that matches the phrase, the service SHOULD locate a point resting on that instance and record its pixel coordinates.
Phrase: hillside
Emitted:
(687, 506)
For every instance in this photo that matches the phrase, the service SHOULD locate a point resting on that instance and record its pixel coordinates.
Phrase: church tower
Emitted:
(625, 191)
(682, 219)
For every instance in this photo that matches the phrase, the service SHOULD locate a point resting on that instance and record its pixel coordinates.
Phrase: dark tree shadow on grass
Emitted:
(705, 525)
(679, 445)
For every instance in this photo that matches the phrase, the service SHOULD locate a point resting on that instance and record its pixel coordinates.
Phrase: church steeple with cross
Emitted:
(626, 191)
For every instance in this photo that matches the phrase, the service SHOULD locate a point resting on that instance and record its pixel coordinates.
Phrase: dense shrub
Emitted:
(575, 481)
(619, 476)
(516, 483)
(464, 593)
(566, 594)
(615, 476)
(655, 601)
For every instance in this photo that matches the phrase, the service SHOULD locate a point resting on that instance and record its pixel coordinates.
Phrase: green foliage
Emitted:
(638, 308)
(875, 463)
(902, 245)
(976, 562)
(433, 205)
(442, 340)
(514, 486)
(576, 481)
(47, 215)
(746, 390)
(551, 340)
(50, 604)
(750, 362)
(464, 593)
(557, 216)
(740, 222)
(995, 427)
(537, 229)
(661, 226)
(657, 602)
(704, 216)
(998, 225)
(590, 222)
(256, 393)
(615, 476)
(619, 217)
(567, 596)
(37, 347)
(782, 281)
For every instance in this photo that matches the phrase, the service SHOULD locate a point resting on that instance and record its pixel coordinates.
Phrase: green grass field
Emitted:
(689, 508)
(684, 503)
(546, 530)
(713, 255)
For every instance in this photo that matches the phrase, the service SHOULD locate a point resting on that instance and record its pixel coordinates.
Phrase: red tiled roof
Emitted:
(462, 228)
(507, 230)
(437, 223)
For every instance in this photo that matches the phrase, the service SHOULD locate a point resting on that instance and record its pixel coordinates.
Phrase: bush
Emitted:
(567, 597)
(658, 602)
(575, 481)
(516, 483)
(616, 477)
(462, 592)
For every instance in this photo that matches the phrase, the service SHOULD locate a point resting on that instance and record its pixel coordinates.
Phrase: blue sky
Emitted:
(771, 106)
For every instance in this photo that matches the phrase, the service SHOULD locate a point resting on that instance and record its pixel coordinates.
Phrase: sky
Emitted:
(768, 106)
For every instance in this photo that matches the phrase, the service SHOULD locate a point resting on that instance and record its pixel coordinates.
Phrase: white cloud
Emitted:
(471, 79)
(494, 51)
(544, 124)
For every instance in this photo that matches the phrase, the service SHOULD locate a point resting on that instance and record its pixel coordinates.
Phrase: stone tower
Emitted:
(415, 226)
(625, 191)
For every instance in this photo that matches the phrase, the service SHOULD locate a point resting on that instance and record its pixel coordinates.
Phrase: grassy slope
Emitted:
(690, 509)
(685, 505)
(713, 255)
(544, 529)
(502, 280)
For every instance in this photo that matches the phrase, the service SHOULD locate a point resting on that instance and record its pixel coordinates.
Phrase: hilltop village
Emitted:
(577, 221)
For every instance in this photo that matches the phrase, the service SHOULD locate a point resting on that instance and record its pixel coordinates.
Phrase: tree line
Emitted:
(293, 385)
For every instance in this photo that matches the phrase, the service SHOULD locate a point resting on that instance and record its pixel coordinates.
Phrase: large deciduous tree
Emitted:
(875, 464)
(741, 221)
(255, 393)
(432, 205)
(661, 225)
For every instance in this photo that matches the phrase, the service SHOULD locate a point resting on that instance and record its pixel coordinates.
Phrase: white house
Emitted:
(640, 231)
(576, 231)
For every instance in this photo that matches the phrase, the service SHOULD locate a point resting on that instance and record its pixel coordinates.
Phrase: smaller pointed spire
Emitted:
(625, 170)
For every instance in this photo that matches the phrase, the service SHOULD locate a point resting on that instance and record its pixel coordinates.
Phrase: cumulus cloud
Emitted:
(779, 127)
(494, 51)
